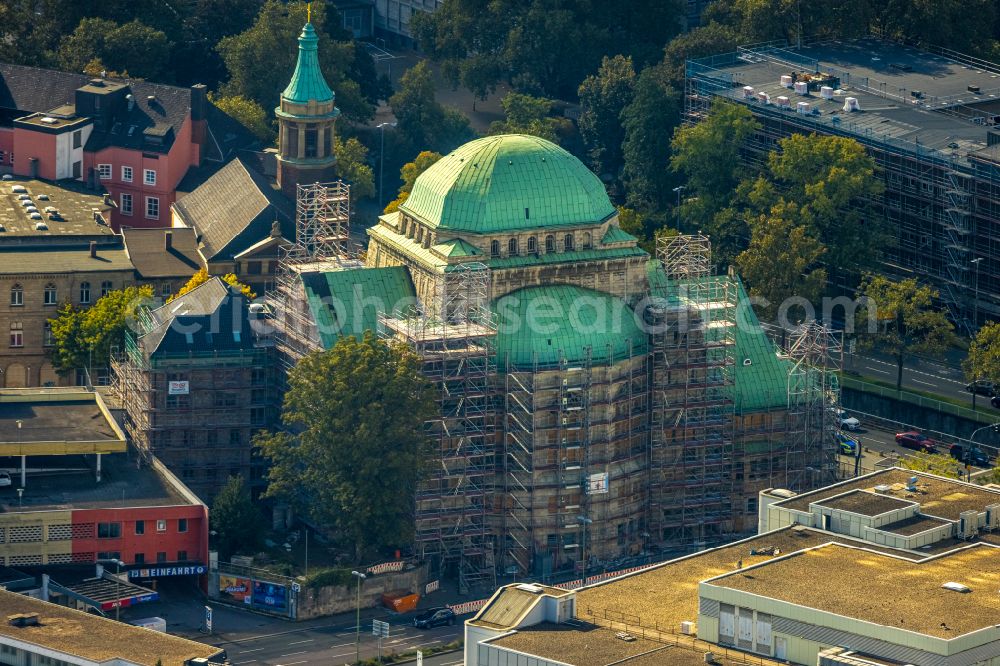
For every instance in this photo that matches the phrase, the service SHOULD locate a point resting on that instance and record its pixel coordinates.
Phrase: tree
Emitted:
(134, 47)
(525, 114)
(705, 40)
(409, 174)
(202, 276)
(359, 411)
(603, 98)
(647, 227)
(248, 113)
(983, 359)
(261, 59)
(235, 520)
(934, 463)
(421, 121)
(782, 261)
(901, 318)
(84, 338)
(647, 123)
(352, 167)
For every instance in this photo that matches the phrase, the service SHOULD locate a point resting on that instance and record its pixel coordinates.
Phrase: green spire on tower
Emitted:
(307, 82)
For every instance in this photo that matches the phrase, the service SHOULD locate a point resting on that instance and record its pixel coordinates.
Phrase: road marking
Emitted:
(249, 661)
(292, 654)
(346, 654)
(920, 381)
(308, 640)
(292, 663)
(880, 370)
(251, 650)
(341, 645)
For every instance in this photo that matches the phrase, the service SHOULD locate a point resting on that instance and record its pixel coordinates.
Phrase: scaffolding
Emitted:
(692, 485)
(454, 333)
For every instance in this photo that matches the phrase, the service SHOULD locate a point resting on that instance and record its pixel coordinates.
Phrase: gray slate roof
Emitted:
(146, 248)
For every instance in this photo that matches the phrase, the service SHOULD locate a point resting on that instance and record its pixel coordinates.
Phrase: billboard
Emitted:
(236, 588)
(597, 484)
(272, 596)
(178, 388)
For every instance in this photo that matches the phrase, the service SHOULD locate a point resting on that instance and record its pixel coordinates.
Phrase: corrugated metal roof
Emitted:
(307, 82)
(563, 323)
(510, 182)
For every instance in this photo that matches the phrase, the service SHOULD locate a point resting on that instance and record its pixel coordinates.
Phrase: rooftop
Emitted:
(914, 525)
(937, 496)
(56, 421)
(509, 604)
(95, 638)
(918, 602)
(864, 502)
(75, 206)
(147, 248)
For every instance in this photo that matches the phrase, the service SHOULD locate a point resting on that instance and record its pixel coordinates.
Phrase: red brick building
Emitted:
(137, 140)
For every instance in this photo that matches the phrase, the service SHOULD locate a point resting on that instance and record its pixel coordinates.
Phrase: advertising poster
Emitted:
(270, 595)
(236, 588)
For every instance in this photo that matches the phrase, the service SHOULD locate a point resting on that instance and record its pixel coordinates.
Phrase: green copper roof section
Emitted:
(307, 82)
(348, 302)
(456, 247)
(508, 183)
(565, 257)
(615, 234)
(564, 323)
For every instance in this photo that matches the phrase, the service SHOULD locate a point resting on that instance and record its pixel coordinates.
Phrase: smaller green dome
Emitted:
(565, 323)
(307, 82)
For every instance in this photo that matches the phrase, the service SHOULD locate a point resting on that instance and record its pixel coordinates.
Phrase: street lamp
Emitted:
(583, 520)
(118, 581)
(357, 618)
(677, 191)
(381, 158)
(975, 322)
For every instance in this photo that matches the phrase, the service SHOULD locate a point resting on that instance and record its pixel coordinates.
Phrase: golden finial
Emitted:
(309, 12)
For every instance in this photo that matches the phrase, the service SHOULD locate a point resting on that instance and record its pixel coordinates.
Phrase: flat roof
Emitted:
(914, 525)
(56, 421)
(95, 638)
(74, 202)
(667, 594)
(68, 482)
(864, 502)
(55, 119)
(883, 589)
(590, 645)
(936, 495)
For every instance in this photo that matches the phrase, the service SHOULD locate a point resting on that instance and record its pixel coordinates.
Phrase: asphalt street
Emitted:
(878, 443)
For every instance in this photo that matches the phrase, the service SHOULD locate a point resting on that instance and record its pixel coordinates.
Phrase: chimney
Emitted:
(199, 101)
(93, 249)
(168, 240)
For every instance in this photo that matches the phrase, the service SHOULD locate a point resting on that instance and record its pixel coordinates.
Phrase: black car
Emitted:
(433, 617)
(974, 456)
(996, 402)
(982, 387)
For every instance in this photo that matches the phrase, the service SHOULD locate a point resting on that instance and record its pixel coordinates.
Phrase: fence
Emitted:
(918, 400)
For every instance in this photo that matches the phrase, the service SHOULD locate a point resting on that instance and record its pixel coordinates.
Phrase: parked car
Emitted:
(995, 402)
(433, 617)
(845, 445)
(4, 480)
(982, 387)
(845, 421)
(973, 456)
(916, 441)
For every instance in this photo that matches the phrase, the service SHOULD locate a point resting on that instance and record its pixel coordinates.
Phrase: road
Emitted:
(335, 644)
(876, 444)
(918, 374)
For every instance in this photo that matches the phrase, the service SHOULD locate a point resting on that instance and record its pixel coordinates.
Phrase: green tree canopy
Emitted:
(647, 124)
(525, 114)
(901, 318)
(983, 360)
(603, 98)
(235, 519)
(352, 167)
(359, 411)
(409, 174)
(134, 48)
(705, 40)
(202, 276)
(248, 113)
(422, 122)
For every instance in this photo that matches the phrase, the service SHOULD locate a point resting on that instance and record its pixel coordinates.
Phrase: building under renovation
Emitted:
(595, 402)
(928, 118)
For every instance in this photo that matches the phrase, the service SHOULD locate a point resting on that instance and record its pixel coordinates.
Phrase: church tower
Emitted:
(306, 118)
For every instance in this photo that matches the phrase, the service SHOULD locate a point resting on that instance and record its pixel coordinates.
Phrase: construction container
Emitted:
(400, 602)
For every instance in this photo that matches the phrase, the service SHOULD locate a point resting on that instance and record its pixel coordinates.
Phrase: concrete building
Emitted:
(928, 118)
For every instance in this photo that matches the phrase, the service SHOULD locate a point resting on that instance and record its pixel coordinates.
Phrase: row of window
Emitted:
(513, 245)
(114, 530)
(140, 558)
(51, 293)
(152, 206)
(104, 172)
(17, 335)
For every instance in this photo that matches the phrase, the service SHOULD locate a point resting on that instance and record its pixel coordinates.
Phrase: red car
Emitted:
(916, 441)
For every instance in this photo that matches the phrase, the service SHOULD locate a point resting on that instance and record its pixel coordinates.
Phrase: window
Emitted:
(532, 245)
(182, 556)
(153, 208)
(512, 247)
(78, 139)
(586, 240)
(47, 339)
(253, 268)
(149, 177)
(495, 248)
(77, 169)
(292, 134)
(178, 402)
(140, 558)
(550, 243)
(140, 527)
(16, 334)
(106, 288)
(126, 204)
(225, 399)
(311, 142)
(568, 243)
(161, 525)
(109, 555)
(161, 558)
(3, 156)
(104, 171)
(235, 438)
(109, 530)
(126, 174)
(51, 296)
(166, 289)
(17, 295)
(182, 526)
(84, 292)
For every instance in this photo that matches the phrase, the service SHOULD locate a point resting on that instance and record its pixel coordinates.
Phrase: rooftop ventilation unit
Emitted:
(48, 120)
(528, 587)
(763, 98)
(43, 197)
(805, 108)
(851, 105)
(687, 628)
(992, 516)
(801, 88)
(826, 92)
(748, 92)
(625, 636)
(36, 216)
(786, 80)
(882, 488)
(782, 101)
(19, 189)
(974, 89)
(968, 524)
(40, 226)
(24, 197)
(956, 587)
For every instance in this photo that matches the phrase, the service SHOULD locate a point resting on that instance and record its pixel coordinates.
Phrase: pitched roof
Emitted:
(203, 320)
(234, 209)
(33, 259)
(147, 250)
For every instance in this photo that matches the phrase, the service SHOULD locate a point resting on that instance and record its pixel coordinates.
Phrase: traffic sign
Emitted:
(380, 628)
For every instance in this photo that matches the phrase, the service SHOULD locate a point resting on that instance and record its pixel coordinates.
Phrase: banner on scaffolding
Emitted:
(597, 484)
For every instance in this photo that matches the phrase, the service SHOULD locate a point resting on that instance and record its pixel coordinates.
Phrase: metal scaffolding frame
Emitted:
(454, 335)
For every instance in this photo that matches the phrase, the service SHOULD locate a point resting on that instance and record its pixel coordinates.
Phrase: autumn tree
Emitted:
(202, 276)
(901, 318)
(409, 174)
(134, 47)
(358, 412)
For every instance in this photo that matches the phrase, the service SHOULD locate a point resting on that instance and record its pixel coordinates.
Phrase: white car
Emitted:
(845, 421)
(4, 480)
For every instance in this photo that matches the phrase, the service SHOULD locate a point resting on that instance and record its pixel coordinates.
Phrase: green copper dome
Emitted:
(307, 82)
(506, 183)
(565, 323)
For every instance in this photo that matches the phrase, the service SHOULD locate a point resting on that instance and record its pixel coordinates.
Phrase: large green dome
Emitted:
(507, 183)
(564, 324)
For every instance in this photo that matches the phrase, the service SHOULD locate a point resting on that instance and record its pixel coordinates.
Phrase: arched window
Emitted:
(550, 243)
(51, 295)
(84, 292)
(568, 243)
(586, 240)
(495, 248)
(532, 245)
(17, 295)
(512, 247)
